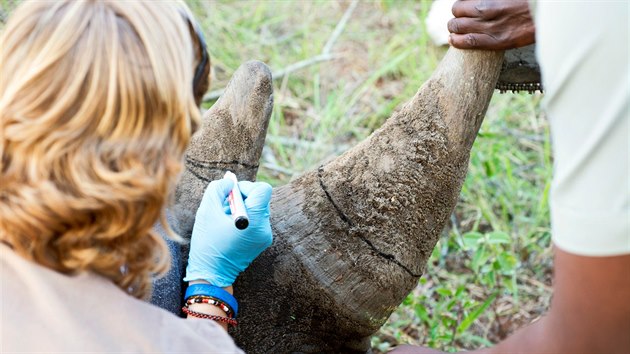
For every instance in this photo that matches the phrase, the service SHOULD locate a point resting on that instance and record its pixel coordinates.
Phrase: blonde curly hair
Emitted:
(96, 109)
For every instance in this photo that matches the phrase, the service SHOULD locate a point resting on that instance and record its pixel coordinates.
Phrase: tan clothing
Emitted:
(583, 53)
(45, 311)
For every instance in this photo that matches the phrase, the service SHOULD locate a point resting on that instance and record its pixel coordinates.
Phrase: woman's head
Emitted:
(96, 109)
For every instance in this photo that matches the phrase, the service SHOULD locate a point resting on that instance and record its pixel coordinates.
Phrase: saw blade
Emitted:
(520, 71)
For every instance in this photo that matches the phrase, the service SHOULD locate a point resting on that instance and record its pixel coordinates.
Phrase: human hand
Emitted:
(491, 24)
(219, 251)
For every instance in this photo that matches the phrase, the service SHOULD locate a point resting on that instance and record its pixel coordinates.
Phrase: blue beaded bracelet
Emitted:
(212, 291)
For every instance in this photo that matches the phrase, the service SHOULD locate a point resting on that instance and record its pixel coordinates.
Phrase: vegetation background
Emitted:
(491, 271)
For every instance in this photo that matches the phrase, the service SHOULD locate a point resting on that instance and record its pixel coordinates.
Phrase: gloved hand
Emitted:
(219, 251)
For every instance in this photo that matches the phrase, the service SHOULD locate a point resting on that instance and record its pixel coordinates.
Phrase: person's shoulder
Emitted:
(50, 311)
(176, 334)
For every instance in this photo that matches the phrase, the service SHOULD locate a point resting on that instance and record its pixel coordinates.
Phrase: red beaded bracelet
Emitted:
(202, 299)
(227, 320)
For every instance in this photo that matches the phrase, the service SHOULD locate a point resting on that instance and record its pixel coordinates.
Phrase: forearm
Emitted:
(538, 337)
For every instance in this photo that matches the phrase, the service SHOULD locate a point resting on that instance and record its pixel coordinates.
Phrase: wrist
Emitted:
(204, 300)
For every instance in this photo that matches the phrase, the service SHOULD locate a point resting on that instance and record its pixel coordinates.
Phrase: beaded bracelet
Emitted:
(230, 321)
(202, 299)
(214, 292)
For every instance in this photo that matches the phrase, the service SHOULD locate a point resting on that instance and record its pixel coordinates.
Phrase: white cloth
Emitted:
(583, 53)
(45, 311)
(437, 19)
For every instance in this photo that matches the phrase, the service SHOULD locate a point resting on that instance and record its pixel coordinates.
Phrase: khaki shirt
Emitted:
(45, 311)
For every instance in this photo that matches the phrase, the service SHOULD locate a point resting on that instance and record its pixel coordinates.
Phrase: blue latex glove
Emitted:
(219, 251)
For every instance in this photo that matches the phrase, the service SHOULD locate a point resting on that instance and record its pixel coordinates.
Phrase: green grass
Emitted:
(490, 272)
